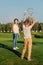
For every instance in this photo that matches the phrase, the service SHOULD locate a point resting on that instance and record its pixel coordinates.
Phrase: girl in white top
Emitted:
(27, 31)
(15, 33)
(27, 37)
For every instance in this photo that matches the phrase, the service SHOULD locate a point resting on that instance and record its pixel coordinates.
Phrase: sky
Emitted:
(10, 9)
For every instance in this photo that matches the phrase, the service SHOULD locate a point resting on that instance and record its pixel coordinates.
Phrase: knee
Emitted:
(30, 45)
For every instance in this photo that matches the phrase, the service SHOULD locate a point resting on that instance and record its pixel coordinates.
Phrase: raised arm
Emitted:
(25, 15)
(32, 21)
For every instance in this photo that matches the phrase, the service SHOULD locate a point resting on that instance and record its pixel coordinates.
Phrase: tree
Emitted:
(39, 27)
(3, 28)
(35, 27)
(21, 25)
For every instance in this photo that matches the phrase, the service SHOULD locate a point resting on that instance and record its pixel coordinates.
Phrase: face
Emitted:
(26, 24)
(16, 22)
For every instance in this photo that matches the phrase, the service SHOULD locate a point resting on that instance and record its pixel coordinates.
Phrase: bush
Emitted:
(38, 36)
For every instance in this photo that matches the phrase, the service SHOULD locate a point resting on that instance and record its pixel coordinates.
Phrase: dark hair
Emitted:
(15, 20)
(27, 21)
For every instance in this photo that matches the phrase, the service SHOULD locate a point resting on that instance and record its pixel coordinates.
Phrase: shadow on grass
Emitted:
(22, 42)
(10, 49)
(2, 45)
(37, 43)
(17, 41)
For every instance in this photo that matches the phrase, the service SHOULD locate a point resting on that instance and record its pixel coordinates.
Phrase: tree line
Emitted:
(8, 27)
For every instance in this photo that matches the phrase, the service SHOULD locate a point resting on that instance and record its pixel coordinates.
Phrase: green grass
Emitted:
(10, 57)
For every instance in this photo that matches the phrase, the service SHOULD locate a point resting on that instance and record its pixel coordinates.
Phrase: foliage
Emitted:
(21, 25)
(38, 35)
(8, 27)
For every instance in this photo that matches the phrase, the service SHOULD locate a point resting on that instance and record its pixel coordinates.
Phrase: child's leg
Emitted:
(24, 49)
(14, 40)
(14, 43)
(29, 48)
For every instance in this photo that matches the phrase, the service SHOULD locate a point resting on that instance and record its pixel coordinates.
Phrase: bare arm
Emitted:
(24, 16)
(32, 21)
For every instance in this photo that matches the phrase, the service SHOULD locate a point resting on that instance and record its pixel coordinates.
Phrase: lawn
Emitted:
(10, 57)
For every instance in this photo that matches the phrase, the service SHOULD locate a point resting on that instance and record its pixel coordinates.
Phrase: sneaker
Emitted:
(17, 48)
(14, 48)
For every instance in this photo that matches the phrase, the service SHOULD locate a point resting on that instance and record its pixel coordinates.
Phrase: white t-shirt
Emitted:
(27, 31)
(15, 28)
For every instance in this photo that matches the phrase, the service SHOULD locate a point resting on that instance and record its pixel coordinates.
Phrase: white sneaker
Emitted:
(17, 48)
(14, 48)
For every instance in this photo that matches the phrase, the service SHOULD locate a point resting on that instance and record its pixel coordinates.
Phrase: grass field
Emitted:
(10, 57)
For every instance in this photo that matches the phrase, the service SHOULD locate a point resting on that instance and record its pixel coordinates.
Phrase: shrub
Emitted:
(38, 36)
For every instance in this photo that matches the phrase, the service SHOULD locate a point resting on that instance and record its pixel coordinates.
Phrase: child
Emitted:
(27, 37)
(15, 33)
